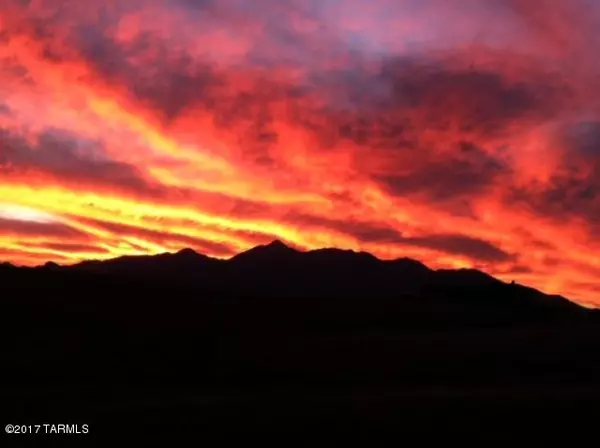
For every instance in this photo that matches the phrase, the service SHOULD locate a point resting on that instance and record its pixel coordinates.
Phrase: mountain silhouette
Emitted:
(276, 269)
(185, 264)
(274, 252)
(282, 341)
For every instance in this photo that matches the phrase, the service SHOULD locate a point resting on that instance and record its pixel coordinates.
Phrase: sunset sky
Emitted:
(463, 133)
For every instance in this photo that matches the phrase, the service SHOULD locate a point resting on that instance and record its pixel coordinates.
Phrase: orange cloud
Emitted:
(462, 133)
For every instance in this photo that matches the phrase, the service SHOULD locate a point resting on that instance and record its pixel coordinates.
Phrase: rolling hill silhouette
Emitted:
(281, 341)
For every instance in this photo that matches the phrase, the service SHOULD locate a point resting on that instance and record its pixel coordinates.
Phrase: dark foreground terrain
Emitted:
(323, 347)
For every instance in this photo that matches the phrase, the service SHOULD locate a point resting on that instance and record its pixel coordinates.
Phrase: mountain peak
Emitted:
(273, 250)
(187, 252)
(276, 247)
(277, 244)
(51, 265)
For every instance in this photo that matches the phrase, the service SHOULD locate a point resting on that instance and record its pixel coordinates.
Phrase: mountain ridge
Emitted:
(278, 269)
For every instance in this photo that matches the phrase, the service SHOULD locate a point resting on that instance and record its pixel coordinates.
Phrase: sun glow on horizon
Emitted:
(15, 212)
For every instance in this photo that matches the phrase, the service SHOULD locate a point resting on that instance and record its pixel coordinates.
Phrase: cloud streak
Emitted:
(463, 133)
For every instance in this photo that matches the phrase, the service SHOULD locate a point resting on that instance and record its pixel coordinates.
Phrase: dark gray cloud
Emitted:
(156, 68)
(154, 73)
(477, 98)
(474, 248)
(160, 237)
(466, 172)
(68, 156)
(13, 68)
(565, 196)
(573, 190)
(31, 228)
(582, 139)
(455, 244)
(518, 269)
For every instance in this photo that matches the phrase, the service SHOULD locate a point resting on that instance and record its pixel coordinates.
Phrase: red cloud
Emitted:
(153, 125)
